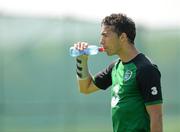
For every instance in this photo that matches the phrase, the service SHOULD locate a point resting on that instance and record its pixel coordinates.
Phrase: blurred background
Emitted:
(38, 88)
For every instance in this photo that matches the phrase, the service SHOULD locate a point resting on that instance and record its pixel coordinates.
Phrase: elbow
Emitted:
(85, 92)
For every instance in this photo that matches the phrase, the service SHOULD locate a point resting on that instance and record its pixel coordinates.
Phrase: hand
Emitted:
(82, 66)
(81, 46)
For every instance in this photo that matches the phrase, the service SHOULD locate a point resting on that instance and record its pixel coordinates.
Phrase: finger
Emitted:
(85, 45)
(78, 45)
(81, 45)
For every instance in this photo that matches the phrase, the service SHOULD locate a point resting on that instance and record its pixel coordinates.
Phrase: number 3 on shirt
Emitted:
(154, 91)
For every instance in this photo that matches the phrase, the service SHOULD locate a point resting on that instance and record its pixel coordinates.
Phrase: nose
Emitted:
(101, 42)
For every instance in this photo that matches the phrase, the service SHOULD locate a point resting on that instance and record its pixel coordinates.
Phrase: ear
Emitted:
(123, 36)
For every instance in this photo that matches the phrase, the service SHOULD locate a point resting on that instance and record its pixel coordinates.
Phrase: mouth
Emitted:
(105, 48)
(101, 49)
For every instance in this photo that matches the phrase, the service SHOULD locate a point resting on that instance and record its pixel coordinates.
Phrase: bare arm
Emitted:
(84, 78)
(155, 113)
(87, 86)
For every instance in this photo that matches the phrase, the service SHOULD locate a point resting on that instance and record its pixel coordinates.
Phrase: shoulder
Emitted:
(145, 65)
(149, 68)
(149, 73)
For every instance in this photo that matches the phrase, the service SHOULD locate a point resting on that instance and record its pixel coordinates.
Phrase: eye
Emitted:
(104, 35)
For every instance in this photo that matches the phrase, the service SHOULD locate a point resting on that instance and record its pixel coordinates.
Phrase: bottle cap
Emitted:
(101, 49)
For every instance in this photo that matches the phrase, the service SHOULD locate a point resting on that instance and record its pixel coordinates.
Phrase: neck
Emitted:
(128, 52)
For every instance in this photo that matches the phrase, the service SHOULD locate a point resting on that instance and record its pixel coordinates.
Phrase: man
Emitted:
(135, 82)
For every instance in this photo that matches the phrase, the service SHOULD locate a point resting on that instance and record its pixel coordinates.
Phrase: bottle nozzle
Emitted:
(101, 49)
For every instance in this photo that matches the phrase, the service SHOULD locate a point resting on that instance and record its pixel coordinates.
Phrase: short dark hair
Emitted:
(121, 24)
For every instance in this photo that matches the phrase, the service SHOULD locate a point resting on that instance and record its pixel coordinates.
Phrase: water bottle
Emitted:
(90, 50)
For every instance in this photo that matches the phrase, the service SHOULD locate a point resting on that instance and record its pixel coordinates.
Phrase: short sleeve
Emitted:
(149, 81)
(103, 79)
